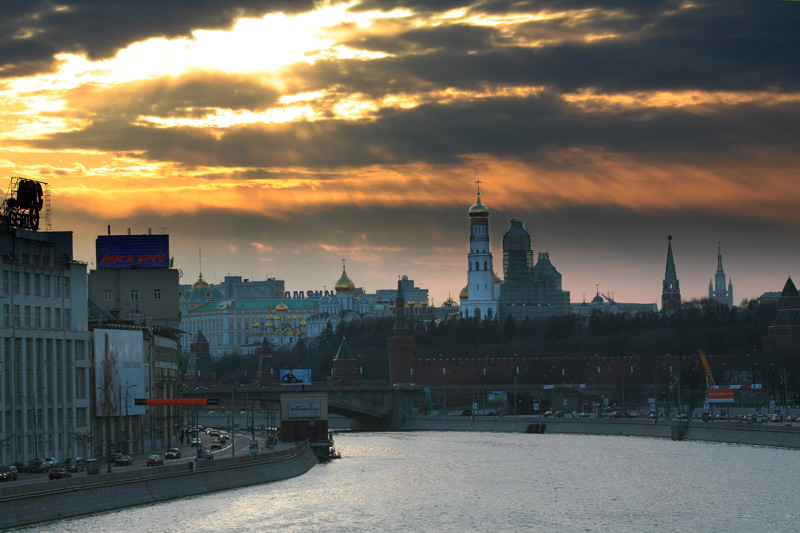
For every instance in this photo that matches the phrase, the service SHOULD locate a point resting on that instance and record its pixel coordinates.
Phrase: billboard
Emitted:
(119, 372)
(720, 395)
(495, 396)
(296, 376)
(132, 251)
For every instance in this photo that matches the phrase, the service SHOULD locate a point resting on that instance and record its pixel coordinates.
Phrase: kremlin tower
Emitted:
(478, 298)
(671, 291)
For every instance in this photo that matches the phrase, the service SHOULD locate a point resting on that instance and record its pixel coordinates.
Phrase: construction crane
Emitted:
(706, 368)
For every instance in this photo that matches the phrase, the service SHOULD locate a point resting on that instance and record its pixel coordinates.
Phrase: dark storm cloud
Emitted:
(190, 95)
(34, 31)
(523, 129)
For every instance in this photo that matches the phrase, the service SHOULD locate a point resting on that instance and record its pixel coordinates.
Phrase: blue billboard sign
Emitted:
(132, 251)
(297, 376)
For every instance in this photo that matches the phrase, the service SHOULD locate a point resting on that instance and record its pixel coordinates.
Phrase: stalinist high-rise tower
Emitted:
(478, 297)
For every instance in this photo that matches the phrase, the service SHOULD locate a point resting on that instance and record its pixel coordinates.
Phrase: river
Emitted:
(497, 481)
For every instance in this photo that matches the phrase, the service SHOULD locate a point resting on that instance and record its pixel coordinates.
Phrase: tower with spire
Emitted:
(717, 290)
(400, 345)
(478, 297)
(671, 290)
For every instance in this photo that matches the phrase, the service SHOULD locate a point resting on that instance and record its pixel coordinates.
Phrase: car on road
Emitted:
(224, 437)
(22, 466)
(75, 464)
(38, 466)
(173, 453)
(154, 460)
(548, 413)
(216, 445)
(59, 473)
(558, 414)
(584, 414)
(8, 473)
(123, 460)
(197, 441)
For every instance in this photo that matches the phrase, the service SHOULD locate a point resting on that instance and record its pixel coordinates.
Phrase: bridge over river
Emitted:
(386, 407)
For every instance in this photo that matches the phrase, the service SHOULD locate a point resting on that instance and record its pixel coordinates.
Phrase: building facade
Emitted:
(45, 366)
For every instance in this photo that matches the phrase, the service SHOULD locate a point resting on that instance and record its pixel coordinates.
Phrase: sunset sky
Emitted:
(282, 137)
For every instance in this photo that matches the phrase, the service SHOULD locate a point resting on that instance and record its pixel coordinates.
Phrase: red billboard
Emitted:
(720, 395)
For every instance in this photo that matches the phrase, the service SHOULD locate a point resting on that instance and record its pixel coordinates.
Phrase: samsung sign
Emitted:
(132, 251)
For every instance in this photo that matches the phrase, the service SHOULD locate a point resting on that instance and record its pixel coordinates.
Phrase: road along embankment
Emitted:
(727, 432)
(25, 504)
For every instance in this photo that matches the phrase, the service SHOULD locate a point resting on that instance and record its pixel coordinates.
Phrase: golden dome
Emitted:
(411, 303)
(478, 209)
(303, 323)
(255, 324)
(464, 294)
(270, 317)
(281, 307)
(345, 284)
(200, 283)
(268, 324)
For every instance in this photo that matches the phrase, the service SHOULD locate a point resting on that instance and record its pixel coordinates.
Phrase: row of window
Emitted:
(134, 295)
(35, 284)
(33, 317)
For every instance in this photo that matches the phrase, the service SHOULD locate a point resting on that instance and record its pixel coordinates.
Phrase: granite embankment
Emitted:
(24, 504)
(728, 432)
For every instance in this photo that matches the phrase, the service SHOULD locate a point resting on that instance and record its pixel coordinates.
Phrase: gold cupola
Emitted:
(281, 307)
(464, 294)
(478, 210)
(344, 285)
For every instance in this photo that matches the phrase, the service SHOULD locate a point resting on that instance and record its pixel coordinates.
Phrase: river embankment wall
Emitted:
(724, 432)
(24, 504)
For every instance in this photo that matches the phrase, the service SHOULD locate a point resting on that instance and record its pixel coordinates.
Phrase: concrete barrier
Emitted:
(730, 432)
(25, 504)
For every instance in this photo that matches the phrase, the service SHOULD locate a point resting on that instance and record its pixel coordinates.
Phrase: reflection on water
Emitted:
(498, 481)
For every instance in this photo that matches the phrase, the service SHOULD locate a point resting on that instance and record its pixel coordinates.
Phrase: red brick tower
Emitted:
(400, 344)
(345, 369)
(784, 333)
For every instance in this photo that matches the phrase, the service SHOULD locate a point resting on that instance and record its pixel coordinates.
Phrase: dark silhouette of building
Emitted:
(529, 291)
(671, 290)
(200, 369)
(400, 345)
(345, 369)
(784, 333)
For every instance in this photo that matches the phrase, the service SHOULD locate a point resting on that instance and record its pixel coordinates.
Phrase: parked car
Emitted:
(123, 460)
(558, 414)
(216, 445)
(75, 464)
(8, 473)
(584, 414)
(173, 453)
(154, 460)
(52, 462)
(548, 413)
(21, 466)
(59, 473)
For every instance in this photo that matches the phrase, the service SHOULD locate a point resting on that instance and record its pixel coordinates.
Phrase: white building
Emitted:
(480, 297)
(45, 368)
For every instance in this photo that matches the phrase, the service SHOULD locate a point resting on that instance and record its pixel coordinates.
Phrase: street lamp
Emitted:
(516, 374)
(127, 423)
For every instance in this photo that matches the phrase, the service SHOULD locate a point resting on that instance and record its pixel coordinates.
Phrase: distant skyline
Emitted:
(283, 136)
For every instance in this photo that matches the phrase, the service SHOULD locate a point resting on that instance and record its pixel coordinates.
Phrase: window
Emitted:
(106, 296)
(56, 287)
(26, 283)
(67, 318)
(134, 294)
(15, 278)
(66, 287)
(37, 316)
(46, 285)
(47, 318)
(6, 317)
(16, 316)
(6, 281)
(27, 316)
(156, 294)
(57, 318)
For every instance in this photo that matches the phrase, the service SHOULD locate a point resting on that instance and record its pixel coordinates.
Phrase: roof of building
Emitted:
(345, 284)
(789, 289)
(478, 210)
(669, 273)
(264, 304)
(344, 352)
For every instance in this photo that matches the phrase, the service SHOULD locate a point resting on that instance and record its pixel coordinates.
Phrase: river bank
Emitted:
(80, 495)
(727, 432)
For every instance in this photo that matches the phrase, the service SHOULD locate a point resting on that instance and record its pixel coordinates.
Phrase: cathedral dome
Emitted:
(464, 294)
(281, 308)
(478, 210)
(201, 291)
(345, 284)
